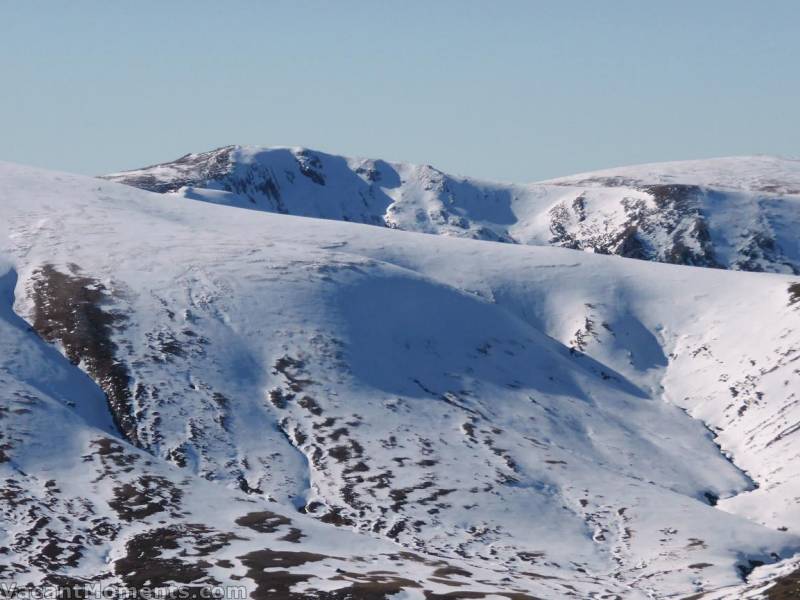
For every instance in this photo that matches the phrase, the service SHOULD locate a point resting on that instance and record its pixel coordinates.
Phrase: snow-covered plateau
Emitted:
(198, 395)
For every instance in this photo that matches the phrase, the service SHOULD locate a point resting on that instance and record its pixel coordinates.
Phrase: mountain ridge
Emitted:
(736, 213)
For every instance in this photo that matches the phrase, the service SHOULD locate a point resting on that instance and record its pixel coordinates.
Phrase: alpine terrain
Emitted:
(256, 368)
(736, 213)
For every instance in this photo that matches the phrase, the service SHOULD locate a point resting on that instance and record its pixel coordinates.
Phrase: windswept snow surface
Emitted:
(321, 409)
(736, 213)
(769, 174)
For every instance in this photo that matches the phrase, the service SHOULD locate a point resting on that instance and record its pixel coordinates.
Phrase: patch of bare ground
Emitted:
(144, 564)
(794, 293)
(263, 521)
(277, 585)
(113, 457)
(464, 595)
(786, 587)
(369, 587)
(291, 368)
(72, 309)
(144, 497)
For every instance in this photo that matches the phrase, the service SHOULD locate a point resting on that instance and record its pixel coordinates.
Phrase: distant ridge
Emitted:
(738, 213)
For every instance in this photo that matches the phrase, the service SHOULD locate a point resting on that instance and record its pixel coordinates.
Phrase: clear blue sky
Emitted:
(499, 89)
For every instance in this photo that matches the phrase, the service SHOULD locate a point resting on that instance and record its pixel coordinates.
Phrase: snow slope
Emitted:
(81, 507)
(767, 174)
(466, 417)
(736, 213)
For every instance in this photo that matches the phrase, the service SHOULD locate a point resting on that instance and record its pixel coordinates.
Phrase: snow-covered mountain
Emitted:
(200, 395)
(736, 213)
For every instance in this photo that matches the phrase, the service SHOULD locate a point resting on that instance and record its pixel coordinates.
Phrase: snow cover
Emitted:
(737, 213)
(452, 416)
(761, 173)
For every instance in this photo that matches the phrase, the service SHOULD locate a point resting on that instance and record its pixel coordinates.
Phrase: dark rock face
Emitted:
(794, 294)
(190, 169)
(670, 228)
(72, 309)
(674, 225)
